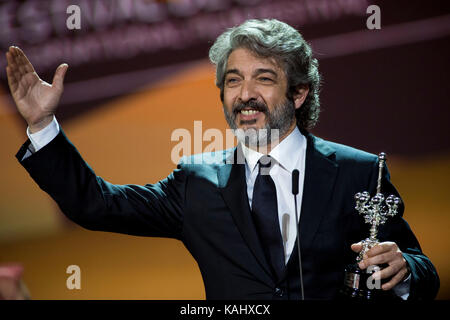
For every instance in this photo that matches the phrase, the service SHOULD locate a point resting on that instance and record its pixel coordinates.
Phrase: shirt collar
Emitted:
(286, 153)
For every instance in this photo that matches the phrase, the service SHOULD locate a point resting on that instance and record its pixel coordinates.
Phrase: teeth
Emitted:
(248, 112)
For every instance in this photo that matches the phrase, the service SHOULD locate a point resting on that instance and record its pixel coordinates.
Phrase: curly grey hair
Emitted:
(278, 40)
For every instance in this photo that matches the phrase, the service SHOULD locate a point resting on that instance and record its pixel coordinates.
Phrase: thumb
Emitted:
(357, 247)
(58, 78)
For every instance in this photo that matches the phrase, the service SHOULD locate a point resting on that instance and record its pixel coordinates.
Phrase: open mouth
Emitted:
(249, 114)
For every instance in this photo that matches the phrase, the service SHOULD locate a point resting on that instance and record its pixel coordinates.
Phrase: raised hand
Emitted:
(36, 100)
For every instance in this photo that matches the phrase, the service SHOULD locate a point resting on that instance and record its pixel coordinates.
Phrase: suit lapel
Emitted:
(320, 176)
(233, 187)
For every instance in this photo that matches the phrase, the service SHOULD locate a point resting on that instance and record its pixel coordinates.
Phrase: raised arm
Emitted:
(59, 170)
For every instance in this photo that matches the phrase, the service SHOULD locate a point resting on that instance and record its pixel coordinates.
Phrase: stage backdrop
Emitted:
(138, 71)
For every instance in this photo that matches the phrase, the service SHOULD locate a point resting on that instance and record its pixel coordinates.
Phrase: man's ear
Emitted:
(300, 94)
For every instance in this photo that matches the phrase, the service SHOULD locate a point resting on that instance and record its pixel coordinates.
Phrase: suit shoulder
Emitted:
(206, 159)
(344, 153)
(204, 165)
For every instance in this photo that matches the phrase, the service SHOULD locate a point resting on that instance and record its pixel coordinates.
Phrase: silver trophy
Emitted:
(375, 211)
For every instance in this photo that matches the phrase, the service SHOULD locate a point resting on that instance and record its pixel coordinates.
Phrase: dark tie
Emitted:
(265, 216)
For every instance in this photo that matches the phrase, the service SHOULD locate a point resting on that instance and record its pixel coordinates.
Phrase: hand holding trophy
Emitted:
(359, 284)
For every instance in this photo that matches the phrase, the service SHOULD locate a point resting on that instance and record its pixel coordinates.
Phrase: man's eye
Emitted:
(232, 80)
(265, 79)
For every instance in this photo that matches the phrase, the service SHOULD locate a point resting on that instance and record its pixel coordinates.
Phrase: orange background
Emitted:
(128, 141)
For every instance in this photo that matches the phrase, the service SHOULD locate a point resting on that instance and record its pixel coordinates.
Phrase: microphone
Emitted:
(285, 232)
(295, 175)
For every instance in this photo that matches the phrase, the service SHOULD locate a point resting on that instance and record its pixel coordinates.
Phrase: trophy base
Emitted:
(359, 286)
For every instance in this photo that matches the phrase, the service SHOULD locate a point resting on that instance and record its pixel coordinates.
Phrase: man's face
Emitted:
(255, 94)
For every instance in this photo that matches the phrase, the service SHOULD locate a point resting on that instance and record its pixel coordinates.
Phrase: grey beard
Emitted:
(278, 123)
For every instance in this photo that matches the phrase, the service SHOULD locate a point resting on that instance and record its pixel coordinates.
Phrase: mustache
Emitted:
(256, 105)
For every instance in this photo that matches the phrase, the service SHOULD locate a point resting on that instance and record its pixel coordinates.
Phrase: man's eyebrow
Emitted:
(257, 72)
(264, 70)
(235, 71)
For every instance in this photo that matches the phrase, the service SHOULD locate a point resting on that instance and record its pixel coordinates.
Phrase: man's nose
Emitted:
(248, 92)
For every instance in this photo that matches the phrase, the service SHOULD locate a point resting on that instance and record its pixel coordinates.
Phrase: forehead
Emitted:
(247, 61)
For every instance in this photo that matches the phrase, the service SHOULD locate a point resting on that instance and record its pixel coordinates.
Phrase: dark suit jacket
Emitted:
(206, 207)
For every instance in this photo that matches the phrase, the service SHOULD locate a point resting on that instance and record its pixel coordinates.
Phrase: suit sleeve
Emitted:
(424, 278)
(95, 204)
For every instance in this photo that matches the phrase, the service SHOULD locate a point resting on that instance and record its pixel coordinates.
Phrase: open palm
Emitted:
(36, 100)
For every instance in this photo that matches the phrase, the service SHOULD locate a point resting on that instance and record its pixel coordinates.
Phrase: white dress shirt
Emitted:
(289, 154)
(42, 137)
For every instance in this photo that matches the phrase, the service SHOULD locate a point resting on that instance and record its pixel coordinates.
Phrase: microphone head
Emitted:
(295, 174)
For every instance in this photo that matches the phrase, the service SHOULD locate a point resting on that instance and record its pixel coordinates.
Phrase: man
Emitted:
(229, 214)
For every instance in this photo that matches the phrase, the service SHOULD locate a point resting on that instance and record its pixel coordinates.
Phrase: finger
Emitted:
(377, 260)
(356, 247)
(22, 69)
(15, 62)
(25, 62)
(395, 280)
(388, 272)
(10, 59)
(13, 51)
(14, 56)
(381, 248)
(58, 78)
(12, 70)
(12, 81)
